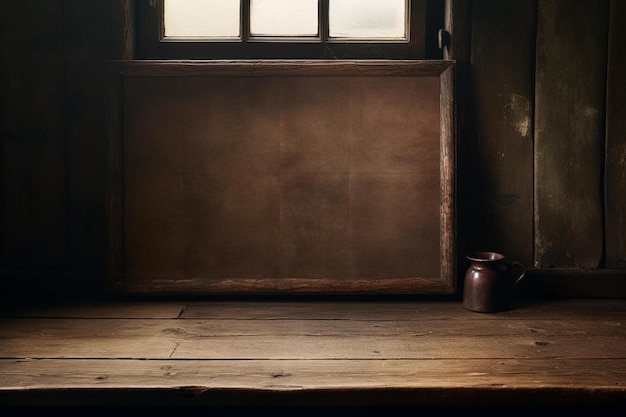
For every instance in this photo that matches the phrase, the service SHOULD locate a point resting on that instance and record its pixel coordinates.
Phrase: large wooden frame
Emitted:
(282, 177)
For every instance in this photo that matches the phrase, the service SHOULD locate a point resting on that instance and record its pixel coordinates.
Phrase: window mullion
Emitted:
(245, 20)
(323, 20)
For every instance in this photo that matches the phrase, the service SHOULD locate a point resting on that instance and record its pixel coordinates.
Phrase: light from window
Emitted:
(202, 18)
(367, 19)
(284, 18)
(356, 20)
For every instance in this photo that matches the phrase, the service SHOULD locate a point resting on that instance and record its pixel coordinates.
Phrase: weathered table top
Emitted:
(312, 352)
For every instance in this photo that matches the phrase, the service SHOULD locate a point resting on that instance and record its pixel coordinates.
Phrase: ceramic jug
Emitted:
(489, 281)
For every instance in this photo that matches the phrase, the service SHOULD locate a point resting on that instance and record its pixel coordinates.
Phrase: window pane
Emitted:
(202, 18)
(284, 17)
(371, 19)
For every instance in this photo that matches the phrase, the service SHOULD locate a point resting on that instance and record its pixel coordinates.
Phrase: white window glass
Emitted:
(367, 19)
(202, 18)
(284, 17)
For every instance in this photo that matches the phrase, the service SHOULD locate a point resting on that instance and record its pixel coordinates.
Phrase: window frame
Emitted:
(151, 45)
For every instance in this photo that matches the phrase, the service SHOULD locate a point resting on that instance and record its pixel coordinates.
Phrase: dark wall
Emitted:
(541, 129)
(542, 137)
(53, 140)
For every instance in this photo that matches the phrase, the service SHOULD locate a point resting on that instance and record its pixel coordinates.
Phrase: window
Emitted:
(282, 29)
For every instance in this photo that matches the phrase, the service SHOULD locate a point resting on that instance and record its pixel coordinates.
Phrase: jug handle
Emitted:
(523, 273)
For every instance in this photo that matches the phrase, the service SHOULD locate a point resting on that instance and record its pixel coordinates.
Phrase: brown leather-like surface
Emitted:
(270, 177)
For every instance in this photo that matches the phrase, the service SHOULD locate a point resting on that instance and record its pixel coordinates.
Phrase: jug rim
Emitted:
(485, 256)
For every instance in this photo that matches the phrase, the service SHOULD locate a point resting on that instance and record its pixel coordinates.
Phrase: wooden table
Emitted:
(312, 353)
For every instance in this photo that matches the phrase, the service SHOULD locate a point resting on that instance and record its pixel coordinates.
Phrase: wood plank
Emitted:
(376, 311)
(169, 329)
(512, 374)
(33, 188)
(295, 339)
(94, 338)
(269, 68)
(615, 174)
(277, 287)
(552, 352)
(458, 23)
(90, 309)
(499, 159)
(246, 348)
(485, 381)
(399, 347)
(569, 133)
(449, 226)
(562, 309)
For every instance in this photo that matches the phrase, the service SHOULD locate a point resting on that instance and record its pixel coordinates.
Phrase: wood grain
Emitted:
(395, 310)
(274, 67)
(569, 133)
(458, 23)
(292, 375)
(615, 170)
(499, 159)
(562, 352)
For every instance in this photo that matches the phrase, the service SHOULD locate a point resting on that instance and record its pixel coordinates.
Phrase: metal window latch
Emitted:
(443, 39)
